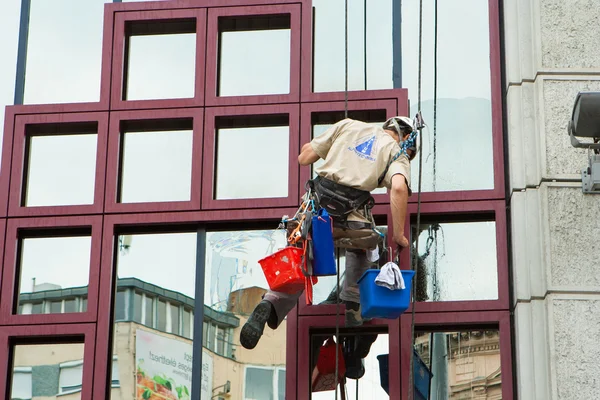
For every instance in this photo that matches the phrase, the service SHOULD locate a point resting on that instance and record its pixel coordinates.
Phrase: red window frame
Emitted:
(10, 269)
(113, 169)
(118, 65)
(17, 172)
(48, 334)
(213, 54)
(210, 147)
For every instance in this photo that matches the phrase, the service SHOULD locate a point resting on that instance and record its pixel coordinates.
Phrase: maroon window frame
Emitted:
(444, 322)
(19, 157)
(118, 64)
(9, 284)
(210, 153)
(49, 334)
(9, 123)
(212, 54)
(114, 161)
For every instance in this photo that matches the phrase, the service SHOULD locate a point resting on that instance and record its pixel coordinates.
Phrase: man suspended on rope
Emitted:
(358, 157)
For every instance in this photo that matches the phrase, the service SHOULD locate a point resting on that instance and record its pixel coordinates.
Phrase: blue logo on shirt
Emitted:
(365, 147)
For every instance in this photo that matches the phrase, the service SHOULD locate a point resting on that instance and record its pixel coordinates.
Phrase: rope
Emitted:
(415, 258)
(337, 313)
(435, 57)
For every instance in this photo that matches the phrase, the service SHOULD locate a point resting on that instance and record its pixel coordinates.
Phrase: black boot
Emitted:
(254, 327)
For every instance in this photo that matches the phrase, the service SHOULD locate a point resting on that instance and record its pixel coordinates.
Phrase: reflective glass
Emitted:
(462, 159)
(461, 365)
(9, 31)
(53, 268)
(364, 372)
(254, 55)
(234, 285)
(47, 371)
(64, 51)
(61, 170)
(370, 63)
(156, 166)
(152, 361)
(457, 261)
(265, 169)
(161, 66)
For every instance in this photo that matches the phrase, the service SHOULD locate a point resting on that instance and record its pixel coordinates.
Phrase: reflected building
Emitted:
(150, 321)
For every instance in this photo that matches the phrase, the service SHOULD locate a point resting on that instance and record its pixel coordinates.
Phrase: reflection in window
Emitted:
(370, 65)
(360, 352)
(254, 55)
(120, 306)
(463, 146)
(259, 384)
(263, 175)
(60, 165)
(458, 365)
(234, 285)
(154, 269)
(64, 49)
(53, 268)
(47, 370)
(156, 161)
(161, 59)
(457, 261)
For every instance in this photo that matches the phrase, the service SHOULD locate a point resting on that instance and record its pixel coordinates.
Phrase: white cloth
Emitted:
(390, 277)
(373, 255)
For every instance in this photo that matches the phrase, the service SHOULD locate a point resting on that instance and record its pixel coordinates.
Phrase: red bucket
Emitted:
(283, 270)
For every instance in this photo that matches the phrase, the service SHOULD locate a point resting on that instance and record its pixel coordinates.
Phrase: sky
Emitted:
(64, 57)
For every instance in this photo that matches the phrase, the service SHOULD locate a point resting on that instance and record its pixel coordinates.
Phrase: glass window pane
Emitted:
(120, 306)
(281, 384)
(254, 55)
(449, 273)
(47, 370)
(259, 384)
(369, 67)
(463, 157)
(149, 311)
(156, 265)
(156, 165)
(161, 60)
(137, 307)
(36, 308)
(361, 352)
(64, 50)
(51, 267)
(56, 307)
(186, 323)
(464, 364)
(61, 170)
(261, 177)
(71, 305)
(84, 302)
(174, 319)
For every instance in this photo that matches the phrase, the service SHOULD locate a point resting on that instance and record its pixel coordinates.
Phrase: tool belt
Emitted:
(339, 200)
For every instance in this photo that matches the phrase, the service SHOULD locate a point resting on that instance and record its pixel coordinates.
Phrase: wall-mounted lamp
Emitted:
(585, 123)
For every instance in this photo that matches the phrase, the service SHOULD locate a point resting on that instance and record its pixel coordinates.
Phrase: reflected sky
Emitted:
(156, 166)
(264, 172)
(254, 62)
(64, 53)
(161, 66)
(66, 262)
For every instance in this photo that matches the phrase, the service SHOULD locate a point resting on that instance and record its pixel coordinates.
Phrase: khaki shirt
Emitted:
(356, 154)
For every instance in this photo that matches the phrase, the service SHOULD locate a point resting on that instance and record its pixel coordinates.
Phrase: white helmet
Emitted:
(399, 124)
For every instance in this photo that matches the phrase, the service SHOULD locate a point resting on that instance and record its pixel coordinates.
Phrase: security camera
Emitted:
(585, 123)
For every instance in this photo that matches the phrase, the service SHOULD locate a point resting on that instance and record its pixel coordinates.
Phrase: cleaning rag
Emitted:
(390, 277)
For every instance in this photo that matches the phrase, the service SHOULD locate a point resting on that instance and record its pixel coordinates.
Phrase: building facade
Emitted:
(149, 153)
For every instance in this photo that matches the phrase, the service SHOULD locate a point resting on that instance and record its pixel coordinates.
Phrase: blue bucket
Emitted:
(381, 302)
(421, 378)
(384, 372)
(322, 242)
